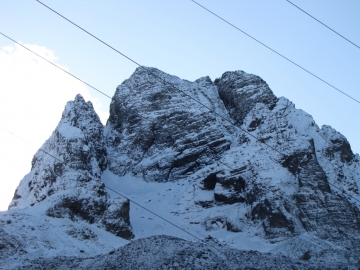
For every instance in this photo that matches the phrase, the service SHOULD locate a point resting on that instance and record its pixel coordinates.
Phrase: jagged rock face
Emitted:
(160, 133)
(337, 145)
(240, 92)
(69, 179)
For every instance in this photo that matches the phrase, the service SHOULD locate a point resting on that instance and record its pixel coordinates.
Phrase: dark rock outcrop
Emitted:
(240, 92)
(116, 218)
(159, 132)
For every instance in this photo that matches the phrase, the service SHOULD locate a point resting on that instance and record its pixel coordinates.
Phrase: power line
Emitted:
(324, 24)
(134, 202)
(304, 69)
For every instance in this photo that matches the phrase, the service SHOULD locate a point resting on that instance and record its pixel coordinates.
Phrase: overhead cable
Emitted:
(266, 46)
(323, 24)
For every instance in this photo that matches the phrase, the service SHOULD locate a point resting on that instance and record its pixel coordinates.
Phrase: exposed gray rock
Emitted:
(231, 185)
(337, 146)
(159, 132)
(9, 245)
(240, 92)
(116, 218)
(81, 234)
(284, 176)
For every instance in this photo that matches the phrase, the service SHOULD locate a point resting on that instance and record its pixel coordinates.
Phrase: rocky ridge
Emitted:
(273, 174)
(179, 254)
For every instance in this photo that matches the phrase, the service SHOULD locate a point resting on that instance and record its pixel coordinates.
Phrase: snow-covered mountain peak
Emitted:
(225, 158)
(77, 140)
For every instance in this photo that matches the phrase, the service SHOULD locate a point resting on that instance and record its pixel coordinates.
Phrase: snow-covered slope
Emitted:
(29, 233)
(272, 181)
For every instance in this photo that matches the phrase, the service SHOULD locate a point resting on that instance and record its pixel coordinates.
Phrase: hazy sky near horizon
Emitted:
(177, 37)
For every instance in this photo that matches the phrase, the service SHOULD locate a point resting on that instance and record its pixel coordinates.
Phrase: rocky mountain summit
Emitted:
(225, 158)
(162, 134)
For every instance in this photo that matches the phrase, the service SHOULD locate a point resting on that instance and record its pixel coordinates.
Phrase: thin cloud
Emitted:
(32, 97)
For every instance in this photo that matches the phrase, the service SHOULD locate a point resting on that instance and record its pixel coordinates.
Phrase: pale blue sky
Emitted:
(182, 39)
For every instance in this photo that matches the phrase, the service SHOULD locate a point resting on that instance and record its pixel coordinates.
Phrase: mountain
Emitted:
(224, 160)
